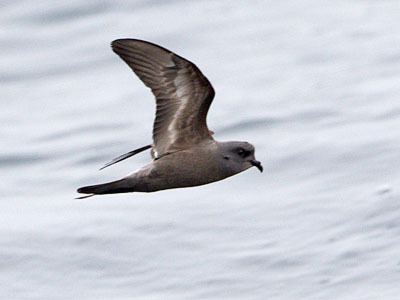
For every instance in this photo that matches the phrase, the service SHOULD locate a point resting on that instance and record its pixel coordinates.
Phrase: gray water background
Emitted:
(313, 84)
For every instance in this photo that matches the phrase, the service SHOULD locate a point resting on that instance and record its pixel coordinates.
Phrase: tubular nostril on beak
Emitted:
(257, 164)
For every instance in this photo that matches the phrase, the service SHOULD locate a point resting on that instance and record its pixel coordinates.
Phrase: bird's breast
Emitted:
(184, 169)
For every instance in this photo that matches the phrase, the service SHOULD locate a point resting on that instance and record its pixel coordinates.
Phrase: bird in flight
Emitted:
(184, 151)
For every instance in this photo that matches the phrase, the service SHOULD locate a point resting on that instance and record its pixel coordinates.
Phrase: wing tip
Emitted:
(119, 42)
(123, 42)
(125, 156)
(105, 166)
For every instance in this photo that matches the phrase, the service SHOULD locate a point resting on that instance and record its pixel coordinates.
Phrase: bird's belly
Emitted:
(185, 173)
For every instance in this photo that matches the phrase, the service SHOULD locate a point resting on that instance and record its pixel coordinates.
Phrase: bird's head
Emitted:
(239, 156)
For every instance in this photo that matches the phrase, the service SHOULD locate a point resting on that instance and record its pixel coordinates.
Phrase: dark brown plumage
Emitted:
(184, 151)
(183, 94)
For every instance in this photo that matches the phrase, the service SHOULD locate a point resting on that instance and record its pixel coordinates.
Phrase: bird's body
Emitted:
(184, 151)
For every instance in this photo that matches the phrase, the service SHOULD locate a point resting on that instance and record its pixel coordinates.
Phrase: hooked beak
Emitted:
(257, 164)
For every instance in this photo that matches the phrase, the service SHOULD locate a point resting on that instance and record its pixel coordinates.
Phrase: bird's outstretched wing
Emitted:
(125, 156)
(183, 94)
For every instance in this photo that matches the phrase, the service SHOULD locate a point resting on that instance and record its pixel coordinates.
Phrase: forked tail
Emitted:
(119, 186)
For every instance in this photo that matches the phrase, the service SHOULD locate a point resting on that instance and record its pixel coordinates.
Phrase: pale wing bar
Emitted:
(183, 94)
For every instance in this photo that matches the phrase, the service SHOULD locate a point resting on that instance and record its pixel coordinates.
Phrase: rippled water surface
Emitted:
(314, 85)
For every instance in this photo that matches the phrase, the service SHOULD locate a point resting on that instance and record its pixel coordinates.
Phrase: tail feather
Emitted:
(119, 186)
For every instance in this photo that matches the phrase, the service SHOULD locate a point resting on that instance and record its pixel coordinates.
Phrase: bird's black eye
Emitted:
(242, 152)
